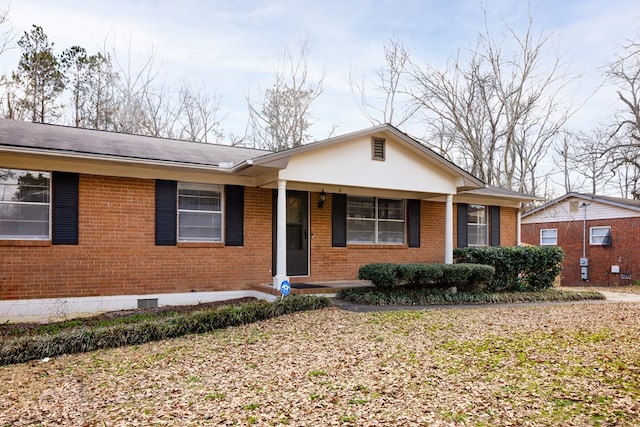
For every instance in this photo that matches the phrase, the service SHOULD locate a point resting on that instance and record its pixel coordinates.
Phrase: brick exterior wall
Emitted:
(625, 240)
(117, 255)
(508, 226)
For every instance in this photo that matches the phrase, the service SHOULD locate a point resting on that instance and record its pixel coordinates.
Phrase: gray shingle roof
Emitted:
(614, 201)
(69, 140)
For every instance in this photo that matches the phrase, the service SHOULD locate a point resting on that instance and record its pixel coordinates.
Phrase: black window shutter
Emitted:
(462, 225)
(166, 212)
(64, 208)
(234, 215)
(494, 217)
(339, 220)
(413, 223)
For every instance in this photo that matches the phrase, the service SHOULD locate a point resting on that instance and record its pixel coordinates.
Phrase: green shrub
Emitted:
(390, 276)
(383, 275)
(82, 339)
(428, 296)
(519, 268)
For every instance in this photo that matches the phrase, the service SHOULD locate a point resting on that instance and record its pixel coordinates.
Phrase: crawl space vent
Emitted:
(148, 303)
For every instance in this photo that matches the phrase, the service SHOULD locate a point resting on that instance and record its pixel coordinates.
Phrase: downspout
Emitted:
(584, 230)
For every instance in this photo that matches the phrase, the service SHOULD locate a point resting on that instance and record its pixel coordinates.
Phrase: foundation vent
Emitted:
(148, 303)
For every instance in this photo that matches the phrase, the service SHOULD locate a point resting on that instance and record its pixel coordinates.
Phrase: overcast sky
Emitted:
(231, 46)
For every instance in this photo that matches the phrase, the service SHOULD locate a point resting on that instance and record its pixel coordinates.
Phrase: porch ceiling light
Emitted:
(323, 197)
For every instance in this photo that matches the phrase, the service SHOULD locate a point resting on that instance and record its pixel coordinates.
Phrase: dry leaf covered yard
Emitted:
(559, 365)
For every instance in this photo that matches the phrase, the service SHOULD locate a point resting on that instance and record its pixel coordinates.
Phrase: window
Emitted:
(548, 237)
(477, 225)
(600, 236)
(375, 221)
(199, 212)
(24, 204)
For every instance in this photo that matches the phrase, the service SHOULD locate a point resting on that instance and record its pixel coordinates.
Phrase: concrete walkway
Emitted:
(620, 297)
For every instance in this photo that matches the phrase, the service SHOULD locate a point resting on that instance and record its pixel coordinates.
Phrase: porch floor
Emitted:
(312, 288)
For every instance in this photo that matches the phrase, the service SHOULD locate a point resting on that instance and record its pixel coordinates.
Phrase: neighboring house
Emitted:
(95, 221)
(599, 234)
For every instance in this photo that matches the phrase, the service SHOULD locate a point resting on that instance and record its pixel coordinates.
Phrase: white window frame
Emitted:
(544, 240)
(5, 203)
(208, 187)
(484, 225)
(377, 220)
(599, 242)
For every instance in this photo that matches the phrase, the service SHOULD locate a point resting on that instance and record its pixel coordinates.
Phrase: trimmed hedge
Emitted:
(83, 339)
(463, 276)
(518, 268)
(426, 296)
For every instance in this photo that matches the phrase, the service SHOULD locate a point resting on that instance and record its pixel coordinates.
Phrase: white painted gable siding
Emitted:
(350, 164)
(595, 210)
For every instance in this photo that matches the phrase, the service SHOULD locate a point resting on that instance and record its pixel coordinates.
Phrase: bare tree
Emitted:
(383, 98)
(282, 120)
(159, 111)
(503, 108)
(564, 160)
(6, 38)
(624, 147)
(199, 114)
(592, 160)
(132, 89)
(6, 31)
(625, 72)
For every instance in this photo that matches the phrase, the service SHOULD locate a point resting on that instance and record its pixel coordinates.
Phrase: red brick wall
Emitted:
(625, 239)
(117, 255)
(508, 226)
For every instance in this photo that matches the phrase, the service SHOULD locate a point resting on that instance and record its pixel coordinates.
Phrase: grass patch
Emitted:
(426, 296)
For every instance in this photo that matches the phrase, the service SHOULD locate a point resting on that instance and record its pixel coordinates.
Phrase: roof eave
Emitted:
(117, 159)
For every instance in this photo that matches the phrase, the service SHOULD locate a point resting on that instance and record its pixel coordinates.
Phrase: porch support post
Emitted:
(448, 230)
(281, 236)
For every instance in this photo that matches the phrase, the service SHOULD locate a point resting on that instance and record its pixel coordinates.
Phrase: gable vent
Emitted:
(573, 206)
(377, 148)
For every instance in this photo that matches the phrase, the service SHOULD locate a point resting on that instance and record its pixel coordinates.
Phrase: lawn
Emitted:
(553, 365)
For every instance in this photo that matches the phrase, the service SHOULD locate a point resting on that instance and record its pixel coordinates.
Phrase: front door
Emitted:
(297, 233)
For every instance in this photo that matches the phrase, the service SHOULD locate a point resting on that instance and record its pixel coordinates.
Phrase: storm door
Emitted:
(297, 233)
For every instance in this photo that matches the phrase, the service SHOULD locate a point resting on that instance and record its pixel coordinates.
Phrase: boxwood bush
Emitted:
(82, 339)
(518, 268)
(389, 275)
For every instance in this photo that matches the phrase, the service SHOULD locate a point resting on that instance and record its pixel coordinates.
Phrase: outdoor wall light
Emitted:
(323, 197)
